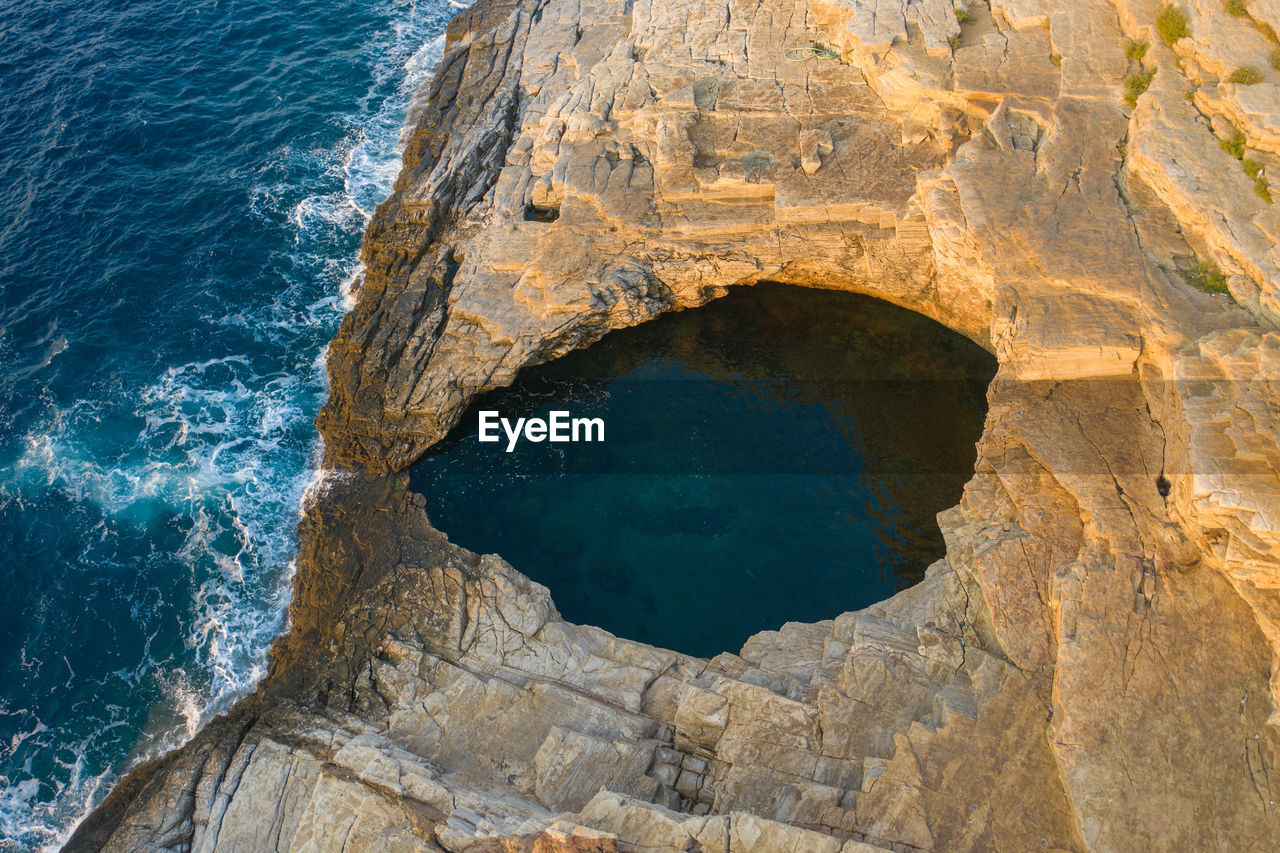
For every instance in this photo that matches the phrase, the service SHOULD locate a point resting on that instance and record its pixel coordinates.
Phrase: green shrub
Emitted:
(1261, 185)
(1275, 59)
(1205, 276)
(1234, 145)
(1172, 24)
(1267, 32)
(1245, 75)
(1056, 59)
(1237, 8)
(963, 15)
(1137, 83)
(1135, 49)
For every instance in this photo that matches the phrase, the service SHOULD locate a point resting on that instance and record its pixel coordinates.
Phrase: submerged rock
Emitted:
(1093, 664)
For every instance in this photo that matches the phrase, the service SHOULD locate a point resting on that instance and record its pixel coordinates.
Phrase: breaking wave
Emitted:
(155, 461)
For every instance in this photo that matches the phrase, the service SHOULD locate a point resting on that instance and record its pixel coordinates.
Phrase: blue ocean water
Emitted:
(185, 183)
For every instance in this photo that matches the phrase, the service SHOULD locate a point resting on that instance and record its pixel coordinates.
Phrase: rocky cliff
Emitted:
(1094, 663)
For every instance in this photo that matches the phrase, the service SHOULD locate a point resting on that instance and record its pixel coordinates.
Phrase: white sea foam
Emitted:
(226, 443)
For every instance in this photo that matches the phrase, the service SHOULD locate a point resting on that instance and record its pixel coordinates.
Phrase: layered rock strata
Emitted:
(1093, 664)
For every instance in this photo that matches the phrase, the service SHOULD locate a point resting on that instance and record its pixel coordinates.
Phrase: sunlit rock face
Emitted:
(1091, 664)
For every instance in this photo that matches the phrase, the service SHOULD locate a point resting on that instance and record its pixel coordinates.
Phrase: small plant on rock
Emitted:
(1206, 277)
(1245, 75)
(962, 15)
(1234, 145)
(1137, 83)
(1275, 58)
(1172, 25)
(1261, 185)
(1237, 8)
(1135, 49)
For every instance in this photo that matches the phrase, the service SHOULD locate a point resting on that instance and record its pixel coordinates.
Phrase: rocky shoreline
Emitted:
(1093, 664)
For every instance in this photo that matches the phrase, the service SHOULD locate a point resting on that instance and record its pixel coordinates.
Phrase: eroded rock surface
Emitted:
(1093, 664)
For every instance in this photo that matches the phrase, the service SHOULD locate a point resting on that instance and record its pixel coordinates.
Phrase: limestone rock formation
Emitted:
(1094, 663)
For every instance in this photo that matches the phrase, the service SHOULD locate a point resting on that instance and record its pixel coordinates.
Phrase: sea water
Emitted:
(185, 184)
(777, 455)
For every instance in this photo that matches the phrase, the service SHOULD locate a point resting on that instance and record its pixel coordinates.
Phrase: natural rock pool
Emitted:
(778, 455)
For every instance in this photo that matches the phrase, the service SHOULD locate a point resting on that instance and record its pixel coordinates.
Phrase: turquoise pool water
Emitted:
(777, 455)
